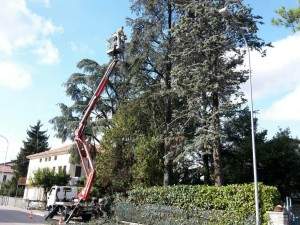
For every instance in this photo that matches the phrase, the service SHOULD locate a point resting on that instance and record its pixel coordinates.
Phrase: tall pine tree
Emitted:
(36, 141)
(208, 49)
(149, 53)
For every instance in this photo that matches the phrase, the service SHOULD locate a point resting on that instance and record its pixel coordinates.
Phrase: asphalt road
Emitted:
(12, 216)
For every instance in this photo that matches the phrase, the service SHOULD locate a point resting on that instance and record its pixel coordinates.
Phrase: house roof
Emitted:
(10, 163)
(52, 152)
(6, 169)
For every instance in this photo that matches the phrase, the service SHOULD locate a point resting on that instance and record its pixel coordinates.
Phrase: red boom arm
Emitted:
(80, 139)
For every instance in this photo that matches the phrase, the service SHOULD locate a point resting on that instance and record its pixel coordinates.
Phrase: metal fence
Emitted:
(293, 211)
(4, 200)
(166, 215)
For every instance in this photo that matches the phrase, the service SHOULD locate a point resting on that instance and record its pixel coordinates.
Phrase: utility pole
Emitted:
(4, 164)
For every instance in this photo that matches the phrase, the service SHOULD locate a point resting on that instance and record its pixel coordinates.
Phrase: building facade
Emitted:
(57, 159)
(6, 172)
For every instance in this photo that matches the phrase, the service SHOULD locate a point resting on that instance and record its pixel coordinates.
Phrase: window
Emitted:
(41, 159)
(52, 189)
(46, 159)
(59, 169)
(49, 158)
(4, 177)
(53, 169)
(77, 171)
(65, 169)
(55, 157)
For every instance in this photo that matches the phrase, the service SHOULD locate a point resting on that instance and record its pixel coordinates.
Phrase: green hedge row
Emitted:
(236, 202)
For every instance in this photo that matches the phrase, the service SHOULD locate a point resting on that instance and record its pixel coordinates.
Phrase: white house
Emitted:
(6, 172)
(55, 159)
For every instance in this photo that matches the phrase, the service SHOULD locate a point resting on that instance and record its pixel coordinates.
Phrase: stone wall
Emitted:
(13, 202)
(278, 218)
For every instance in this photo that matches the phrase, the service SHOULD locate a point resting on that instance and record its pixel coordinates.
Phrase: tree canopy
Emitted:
(47, 178)
(36, 141)
(289, 18)
(207, 52)
(173, 112)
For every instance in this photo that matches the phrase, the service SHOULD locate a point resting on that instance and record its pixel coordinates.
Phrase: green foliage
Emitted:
(9, 188)
(204, 75)
(47, 178)
(148, 166)
(180, 84)
(36, 141)
(278, 160)
(124, 147)
(237, 150)
(74, 155)
(289, 18)
(149, 56)
(236, 202)
(80, 87)
(277, 157)
(115, 161)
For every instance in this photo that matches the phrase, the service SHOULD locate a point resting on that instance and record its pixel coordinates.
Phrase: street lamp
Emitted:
(253, 135)
(224, 11)
(7, 144)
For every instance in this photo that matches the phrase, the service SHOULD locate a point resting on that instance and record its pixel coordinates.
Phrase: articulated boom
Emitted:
(84, 148)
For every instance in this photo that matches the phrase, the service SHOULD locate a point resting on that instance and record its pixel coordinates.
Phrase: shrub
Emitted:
(46, 178)
(232, 204)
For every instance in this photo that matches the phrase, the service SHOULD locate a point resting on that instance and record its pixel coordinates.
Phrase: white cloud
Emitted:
(20, 27)
(81, 48)
(13, 76)
(13, 148)
(45, 3)
(47, 53)
(276, 76)
(285, 109)
(57, 143)
(278, 72)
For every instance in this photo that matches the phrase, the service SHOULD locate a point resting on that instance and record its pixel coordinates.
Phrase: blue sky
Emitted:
(42, 40)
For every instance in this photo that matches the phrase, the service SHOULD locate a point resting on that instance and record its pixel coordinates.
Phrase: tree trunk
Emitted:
(167, 170)
(168, 105)
(218, 176)
(206, 168)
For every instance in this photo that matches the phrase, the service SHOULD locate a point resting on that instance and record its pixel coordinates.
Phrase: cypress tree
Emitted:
(36, 141)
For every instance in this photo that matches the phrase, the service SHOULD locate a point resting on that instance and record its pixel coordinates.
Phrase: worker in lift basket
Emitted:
(117, 43)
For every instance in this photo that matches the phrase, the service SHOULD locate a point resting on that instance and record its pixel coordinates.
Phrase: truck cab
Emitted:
(60, 194)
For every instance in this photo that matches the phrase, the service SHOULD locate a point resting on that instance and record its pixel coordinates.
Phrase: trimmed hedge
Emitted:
(236, 202)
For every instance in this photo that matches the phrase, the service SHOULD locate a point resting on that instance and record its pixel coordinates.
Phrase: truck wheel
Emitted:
(86, 217)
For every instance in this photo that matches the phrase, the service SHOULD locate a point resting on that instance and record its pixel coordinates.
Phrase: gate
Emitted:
(291, 210)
